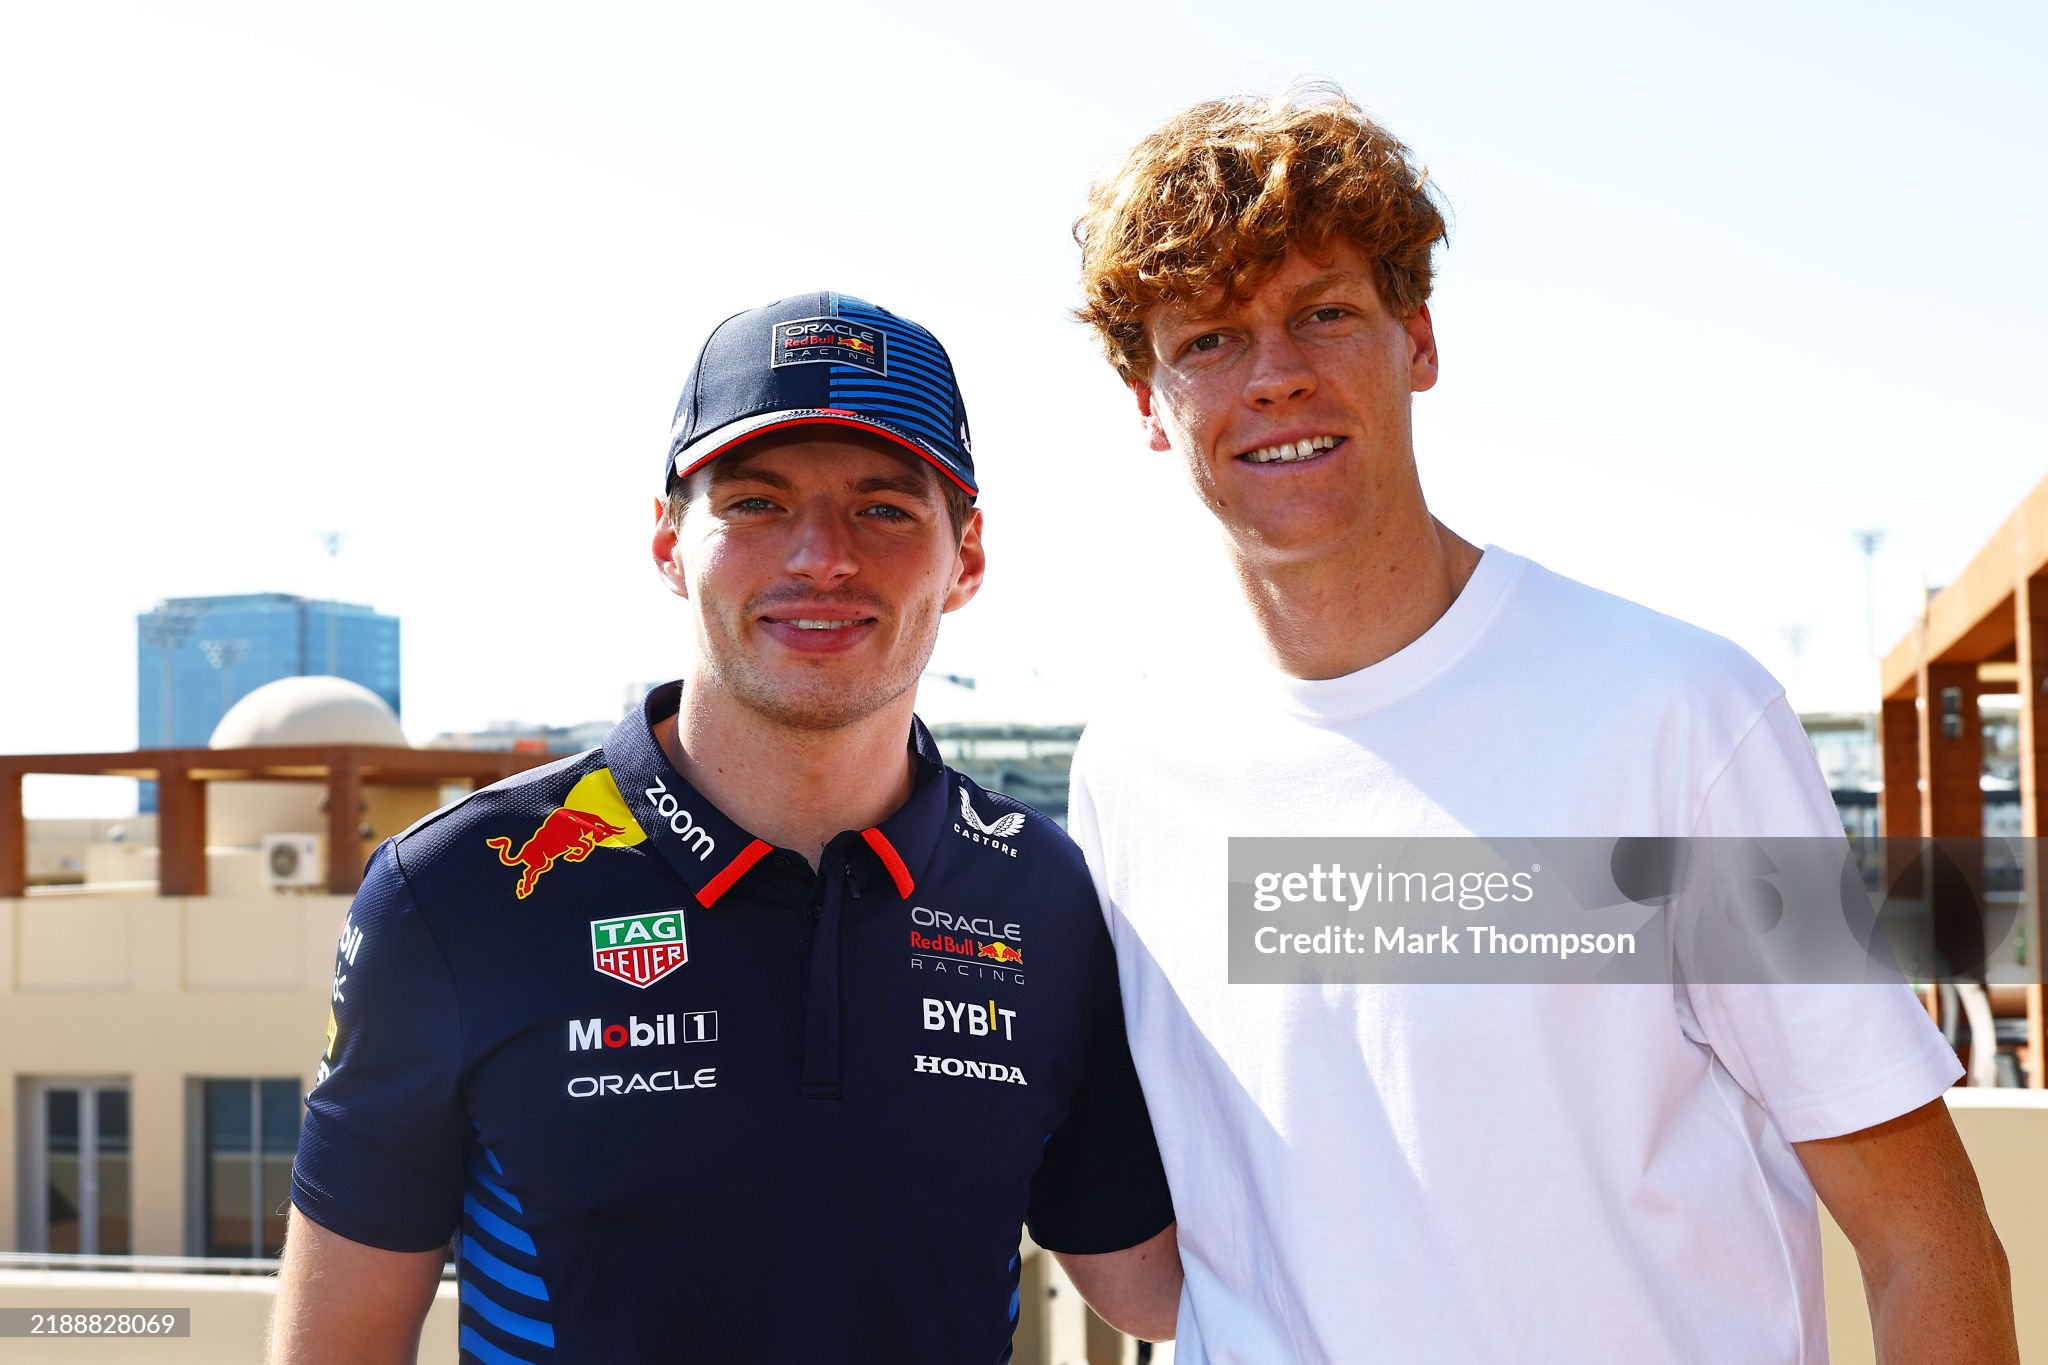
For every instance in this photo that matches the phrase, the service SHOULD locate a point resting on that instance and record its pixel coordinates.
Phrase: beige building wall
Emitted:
(157, 992)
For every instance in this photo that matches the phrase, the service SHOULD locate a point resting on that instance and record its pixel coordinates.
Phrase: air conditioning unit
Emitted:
(294, 860)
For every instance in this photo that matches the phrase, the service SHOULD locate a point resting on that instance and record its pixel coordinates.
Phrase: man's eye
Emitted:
(1330, 314)
(887, 512)
(1207, 341)
(752, 505)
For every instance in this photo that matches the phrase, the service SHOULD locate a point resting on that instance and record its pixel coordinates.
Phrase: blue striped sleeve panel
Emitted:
(507, 1318)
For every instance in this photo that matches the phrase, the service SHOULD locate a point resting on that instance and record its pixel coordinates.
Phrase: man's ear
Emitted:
(667, 560)
(970, 566)
(1155, 434)
(1422, 350)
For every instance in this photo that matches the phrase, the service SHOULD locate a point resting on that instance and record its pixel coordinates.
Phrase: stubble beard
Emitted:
(817, 699)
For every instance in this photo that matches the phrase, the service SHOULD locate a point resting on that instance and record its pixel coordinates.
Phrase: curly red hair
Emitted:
(1216, 196)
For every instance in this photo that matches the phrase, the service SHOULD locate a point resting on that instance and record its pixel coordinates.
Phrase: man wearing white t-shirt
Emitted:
(1504, 1173)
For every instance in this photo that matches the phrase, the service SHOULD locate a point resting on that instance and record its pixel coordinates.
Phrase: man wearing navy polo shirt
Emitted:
(756, 1034)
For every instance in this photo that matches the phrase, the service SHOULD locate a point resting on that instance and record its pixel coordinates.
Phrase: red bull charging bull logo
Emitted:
(591, 817)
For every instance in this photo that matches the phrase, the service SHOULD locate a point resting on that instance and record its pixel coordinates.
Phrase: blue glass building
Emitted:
(197, 656)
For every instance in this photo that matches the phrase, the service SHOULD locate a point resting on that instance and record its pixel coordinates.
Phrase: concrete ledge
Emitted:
(230, 1317)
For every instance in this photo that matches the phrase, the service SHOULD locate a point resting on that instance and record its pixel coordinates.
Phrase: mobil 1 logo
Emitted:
(659, 1030)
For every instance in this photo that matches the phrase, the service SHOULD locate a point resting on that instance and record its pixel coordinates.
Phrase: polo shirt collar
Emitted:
(712, 854)
(913, 830)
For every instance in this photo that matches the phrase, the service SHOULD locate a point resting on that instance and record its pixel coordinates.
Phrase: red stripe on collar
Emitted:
(892, 860)
(734, 870)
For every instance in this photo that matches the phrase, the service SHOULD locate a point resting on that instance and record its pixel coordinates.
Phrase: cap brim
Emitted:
(711, 445)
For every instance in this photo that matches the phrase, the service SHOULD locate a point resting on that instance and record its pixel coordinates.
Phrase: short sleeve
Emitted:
(1824, 1060)
(1101, 1186)
(381, 1154)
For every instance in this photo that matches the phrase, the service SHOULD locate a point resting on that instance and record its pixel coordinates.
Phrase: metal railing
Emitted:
(171, 1265)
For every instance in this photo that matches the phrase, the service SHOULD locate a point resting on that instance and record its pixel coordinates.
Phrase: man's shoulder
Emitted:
(1572, 626)
(510, 808)
(985, 813)
(1531, 642)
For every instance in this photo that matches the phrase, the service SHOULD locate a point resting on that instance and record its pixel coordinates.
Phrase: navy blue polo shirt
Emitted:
(675, 1096)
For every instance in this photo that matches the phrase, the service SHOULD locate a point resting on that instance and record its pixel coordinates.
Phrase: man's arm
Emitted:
(1933, 1270)
(342, 1302)
(1136, 1290)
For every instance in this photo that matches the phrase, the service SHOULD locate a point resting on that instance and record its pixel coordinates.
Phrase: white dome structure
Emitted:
(300, 711)
(308, 711)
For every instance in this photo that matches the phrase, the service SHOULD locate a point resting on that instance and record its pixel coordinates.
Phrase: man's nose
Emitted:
(821, 547)
(1279, 371)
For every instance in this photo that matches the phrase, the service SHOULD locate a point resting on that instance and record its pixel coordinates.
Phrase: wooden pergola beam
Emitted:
(13, 850)
(1971, 620)
(1995, 612)
(183, 774)
(386, 764)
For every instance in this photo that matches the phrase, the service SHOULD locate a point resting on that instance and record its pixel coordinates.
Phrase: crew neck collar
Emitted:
(1415, 663)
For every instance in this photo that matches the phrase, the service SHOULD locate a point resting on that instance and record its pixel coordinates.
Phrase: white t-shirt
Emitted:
(1502, 1173)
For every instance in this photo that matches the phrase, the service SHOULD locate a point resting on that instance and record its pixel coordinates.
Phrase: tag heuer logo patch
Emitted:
(832, 341)
(639, 949)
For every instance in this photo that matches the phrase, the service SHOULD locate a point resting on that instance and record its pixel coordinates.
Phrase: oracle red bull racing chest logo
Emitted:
(639, 949)
(592, 816)
(943, 942)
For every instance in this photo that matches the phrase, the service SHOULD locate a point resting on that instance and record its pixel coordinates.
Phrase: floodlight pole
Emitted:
(1868, 541)
(1795, 645)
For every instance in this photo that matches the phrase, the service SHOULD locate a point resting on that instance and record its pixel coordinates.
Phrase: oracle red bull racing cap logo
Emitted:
(834, 341)
(639, 949)
(592, 816)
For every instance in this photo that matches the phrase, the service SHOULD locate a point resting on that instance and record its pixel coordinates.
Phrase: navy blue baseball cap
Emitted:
(822, 360)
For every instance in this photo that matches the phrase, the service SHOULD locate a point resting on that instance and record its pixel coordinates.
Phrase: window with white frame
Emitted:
(79, 1200)
(247, 1131)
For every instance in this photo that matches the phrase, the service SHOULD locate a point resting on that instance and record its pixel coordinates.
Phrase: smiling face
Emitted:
(1290, 404)
(819, 570)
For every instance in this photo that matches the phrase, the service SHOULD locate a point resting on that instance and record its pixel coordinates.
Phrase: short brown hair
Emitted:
(1218, 194)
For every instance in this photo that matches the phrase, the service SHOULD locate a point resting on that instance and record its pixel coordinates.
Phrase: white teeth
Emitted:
(1289, 451)
(802, 623)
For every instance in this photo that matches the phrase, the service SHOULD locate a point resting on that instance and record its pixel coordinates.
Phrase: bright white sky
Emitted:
(1723, 287)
